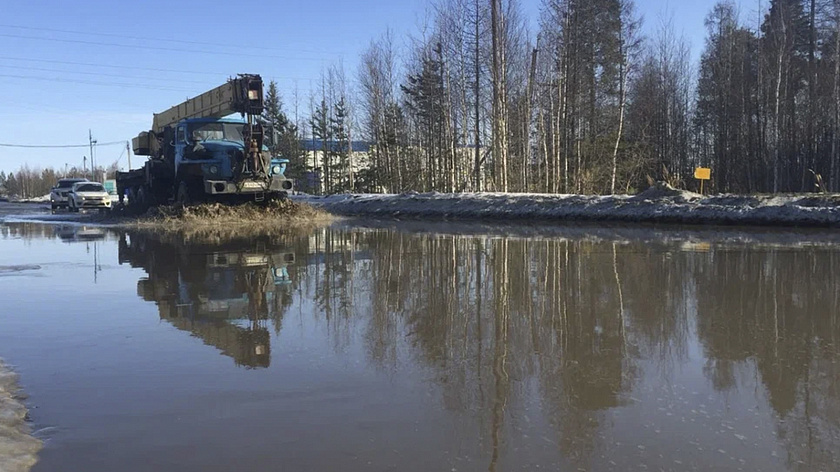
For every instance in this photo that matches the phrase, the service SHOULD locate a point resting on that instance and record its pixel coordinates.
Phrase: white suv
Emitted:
(58, 194)
(84, 195)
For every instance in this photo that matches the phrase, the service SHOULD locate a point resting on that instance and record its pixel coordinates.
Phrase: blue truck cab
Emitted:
(215, 149)
(212, 143)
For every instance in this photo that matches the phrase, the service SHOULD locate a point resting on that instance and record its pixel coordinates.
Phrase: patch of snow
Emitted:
(660, 204)
(41, 199)
(18, 449)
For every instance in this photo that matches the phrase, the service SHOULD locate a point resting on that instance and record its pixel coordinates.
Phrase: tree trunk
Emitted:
(776, 127)
(622, 86)
(478, 187)
(527, 127)
(499, 98)
(812, 96)
(835, 172)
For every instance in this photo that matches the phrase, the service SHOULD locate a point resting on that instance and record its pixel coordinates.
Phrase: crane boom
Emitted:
(243, 94)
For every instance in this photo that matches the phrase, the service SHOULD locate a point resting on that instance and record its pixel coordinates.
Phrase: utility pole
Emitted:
(84, 165)
(128, 153)
(92, 141)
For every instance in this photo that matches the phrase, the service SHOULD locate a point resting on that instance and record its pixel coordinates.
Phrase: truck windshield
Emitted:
(90, 188)
(216, 131)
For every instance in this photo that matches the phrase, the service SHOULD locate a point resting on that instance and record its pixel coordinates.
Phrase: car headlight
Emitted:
(275, 170)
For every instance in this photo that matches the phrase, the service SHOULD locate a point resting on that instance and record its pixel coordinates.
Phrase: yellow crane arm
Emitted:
(242, 94)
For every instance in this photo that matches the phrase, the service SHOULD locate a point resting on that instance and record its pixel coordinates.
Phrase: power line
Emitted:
(159, 48)
(90, 82)
(150, 69)
(182, 41)
(100, 74)
(59, 146)
(112, 66)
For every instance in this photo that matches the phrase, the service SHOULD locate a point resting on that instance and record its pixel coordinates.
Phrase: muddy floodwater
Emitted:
(422, 347)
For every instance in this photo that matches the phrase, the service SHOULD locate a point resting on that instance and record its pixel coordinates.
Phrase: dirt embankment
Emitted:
(204, 222)
(18, 449)
(659, 204)
(220, 221)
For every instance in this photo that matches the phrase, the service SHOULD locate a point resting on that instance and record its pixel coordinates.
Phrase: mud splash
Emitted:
(283, 210)
(18, 449)
(219, 222)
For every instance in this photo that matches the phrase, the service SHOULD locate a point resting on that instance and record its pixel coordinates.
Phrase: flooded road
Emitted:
(433, 348)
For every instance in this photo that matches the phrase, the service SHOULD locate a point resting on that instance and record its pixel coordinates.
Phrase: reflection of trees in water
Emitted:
(489, 315)
(582, 347)
(779, 309)
(659, 298)
(325, 276)
(27, 231)
(66, 232)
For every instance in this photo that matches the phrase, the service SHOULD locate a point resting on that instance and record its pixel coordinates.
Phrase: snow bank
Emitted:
(18, 449)
(659, 204)
(41, 199)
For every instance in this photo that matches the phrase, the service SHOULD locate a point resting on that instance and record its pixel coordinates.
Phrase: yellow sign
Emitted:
(703, 173)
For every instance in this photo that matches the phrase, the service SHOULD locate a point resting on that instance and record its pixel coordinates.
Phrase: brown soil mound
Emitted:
(250, 212)
(221, 222)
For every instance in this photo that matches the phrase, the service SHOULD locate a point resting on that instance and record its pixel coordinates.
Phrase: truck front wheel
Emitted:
(143, 202)
(184, 196)
(133, 203)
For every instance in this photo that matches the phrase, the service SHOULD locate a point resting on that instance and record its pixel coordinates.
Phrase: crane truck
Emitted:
(197, 152)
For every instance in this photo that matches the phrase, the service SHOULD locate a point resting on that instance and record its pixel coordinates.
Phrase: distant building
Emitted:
(312, 180)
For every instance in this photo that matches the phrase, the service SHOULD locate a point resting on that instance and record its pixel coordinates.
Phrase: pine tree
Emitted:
(784, 47)
(425, 101)
(283, 135)
(273, 114)
(340, 147)
(12, 186)
(321, 131)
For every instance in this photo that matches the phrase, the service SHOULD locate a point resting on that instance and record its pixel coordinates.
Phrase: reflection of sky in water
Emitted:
(392, 350)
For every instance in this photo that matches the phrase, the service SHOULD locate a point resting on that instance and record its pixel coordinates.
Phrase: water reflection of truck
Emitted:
(80, 233)
(225, 296)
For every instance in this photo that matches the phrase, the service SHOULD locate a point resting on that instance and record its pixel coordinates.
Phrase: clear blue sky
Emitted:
(62, 71)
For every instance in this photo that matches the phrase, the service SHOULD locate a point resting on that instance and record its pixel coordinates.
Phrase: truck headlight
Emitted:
(214, 169)
(275, 170)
